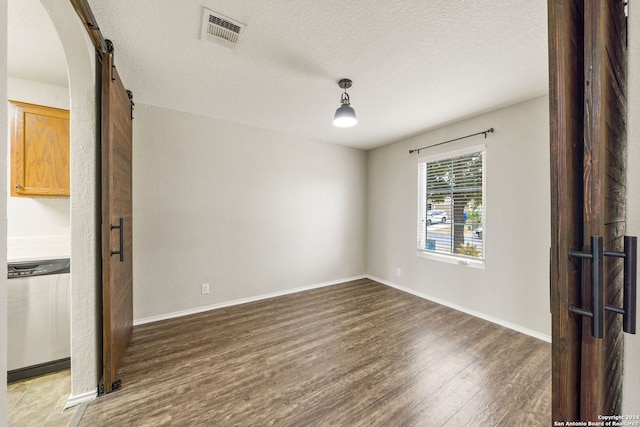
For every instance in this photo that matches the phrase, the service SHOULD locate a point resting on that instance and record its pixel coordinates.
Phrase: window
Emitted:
(451, 193)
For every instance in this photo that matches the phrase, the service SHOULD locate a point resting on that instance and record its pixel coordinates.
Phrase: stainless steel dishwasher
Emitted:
(38, 323)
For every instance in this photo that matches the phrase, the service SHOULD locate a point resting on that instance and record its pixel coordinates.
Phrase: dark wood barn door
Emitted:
(587, 58)
(117, 221)
(116, 138)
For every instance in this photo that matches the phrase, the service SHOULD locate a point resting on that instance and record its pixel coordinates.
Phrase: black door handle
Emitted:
(597, 286)
(628, 310)
(630, 285)
(120, 227)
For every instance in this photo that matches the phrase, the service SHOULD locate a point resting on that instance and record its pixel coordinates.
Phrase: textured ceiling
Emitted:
(415, 64)
(34, 51)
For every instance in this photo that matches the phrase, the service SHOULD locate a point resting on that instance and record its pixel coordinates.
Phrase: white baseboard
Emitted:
(202, 309)
(518, 328)
(77, 399)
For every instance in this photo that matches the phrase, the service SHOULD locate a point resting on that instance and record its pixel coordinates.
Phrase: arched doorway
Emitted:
(85, 274)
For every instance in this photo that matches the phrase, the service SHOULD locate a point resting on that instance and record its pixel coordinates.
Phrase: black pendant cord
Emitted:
(490, 130)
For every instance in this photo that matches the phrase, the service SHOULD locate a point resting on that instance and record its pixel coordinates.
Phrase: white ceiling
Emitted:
(415, 64)
(34, 51)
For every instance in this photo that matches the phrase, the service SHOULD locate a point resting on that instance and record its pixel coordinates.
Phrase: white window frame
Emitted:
(422, 209)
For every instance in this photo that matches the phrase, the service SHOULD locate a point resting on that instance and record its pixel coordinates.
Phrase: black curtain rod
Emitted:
(490, 130)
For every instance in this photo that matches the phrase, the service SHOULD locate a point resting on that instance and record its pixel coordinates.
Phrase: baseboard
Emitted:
(457, 307)
(77, 399)
(37, 370)
(202, 309)
(518, 328)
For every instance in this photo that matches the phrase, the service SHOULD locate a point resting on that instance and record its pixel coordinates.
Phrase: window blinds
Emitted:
(451, 203)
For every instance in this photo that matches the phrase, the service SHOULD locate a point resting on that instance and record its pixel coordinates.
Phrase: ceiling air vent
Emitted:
(219, 29)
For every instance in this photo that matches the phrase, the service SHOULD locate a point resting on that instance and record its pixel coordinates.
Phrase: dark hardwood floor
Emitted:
(354, 354)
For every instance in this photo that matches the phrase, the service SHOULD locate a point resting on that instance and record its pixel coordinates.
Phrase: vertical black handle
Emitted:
(597, 286)
(628, 310)
(120, 228)
(630, 270)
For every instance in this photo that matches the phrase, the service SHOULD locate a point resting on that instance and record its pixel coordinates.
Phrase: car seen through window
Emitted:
(434, 217)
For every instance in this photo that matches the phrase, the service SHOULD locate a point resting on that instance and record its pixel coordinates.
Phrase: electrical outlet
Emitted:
(204, 288)
(398, 272)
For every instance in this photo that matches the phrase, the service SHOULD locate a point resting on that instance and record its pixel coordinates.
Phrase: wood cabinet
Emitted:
(39, 150)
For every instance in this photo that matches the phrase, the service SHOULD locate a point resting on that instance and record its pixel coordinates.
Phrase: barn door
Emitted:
(115, 107)
(117, 236)
(592, 269)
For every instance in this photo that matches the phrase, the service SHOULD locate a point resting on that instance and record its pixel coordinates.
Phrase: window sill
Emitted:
(452, 259)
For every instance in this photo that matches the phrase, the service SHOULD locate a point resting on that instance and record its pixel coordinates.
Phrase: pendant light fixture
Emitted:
(345, 115)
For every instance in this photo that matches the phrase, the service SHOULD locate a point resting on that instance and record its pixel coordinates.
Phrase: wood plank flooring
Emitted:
(354, 354)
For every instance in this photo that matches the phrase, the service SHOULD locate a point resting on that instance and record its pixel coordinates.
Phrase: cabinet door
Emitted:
(39, 150)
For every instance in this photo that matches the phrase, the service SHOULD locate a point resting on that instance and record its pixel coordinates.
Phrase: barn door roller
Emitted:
(628, 310)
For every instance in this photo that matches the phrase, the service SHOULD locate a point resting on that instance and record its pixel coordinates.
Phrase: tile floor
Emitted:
(39, 401)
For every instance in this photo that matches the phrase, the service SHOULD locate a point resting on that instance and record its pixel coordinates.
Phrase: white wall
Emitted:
(250, 211)
(37, 93)
(3, 217)
(85, 267)
(514, 286)
(631, 382)
(35, 222)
